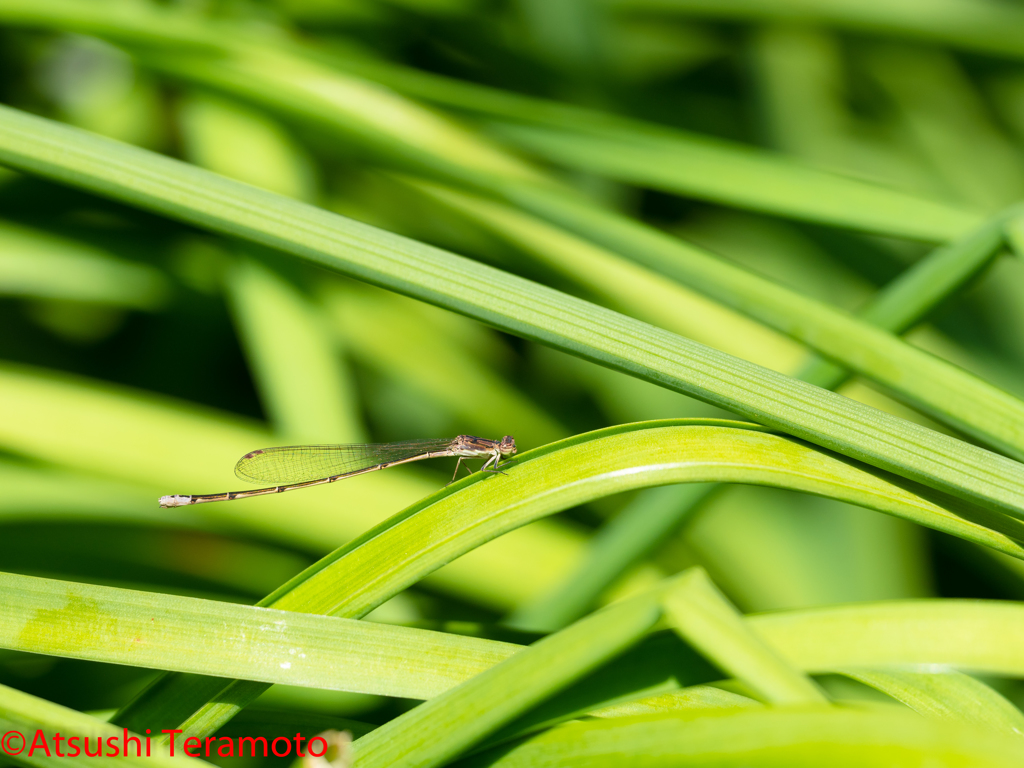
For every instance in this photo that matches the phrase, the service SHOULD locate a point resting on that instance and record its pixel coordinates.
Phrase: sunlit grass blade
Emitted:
(360, 576)
(944, 391)
(187, 634)
(60, 618)
(228, 640)
(521, 307)
(638, 529)
(800, 738)
(950, 694)
(708, 621)
(442, 728)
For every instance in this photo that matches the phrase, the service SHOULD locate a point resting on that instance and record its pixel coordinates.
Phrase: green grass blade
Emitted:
(970, 635)
(638, 529)
(951, 695)
(26, 714)
(920, 289)
(197, 636)
(308, 395)
(712, 169)
(624, 285)
(941, 390)
(40, 265)
(516, 305)
(185, 634)
(440, 729)
(617, 546)
(708, 621)
(161, 631)
(984, 27)
(843, 738)
(417, 346)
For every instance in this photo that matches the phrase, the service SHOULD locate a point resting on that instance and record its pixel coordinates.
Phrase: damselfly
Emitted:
(302, 466)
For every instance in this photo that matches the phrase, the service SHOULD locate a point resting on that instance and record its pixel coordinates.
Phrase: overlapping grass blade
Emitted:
(708, 621)
(962, 400)
(518, 306)
(192, 635)
(304, 88)
(47, 616)
(755, 179)
(446, 726)
(638, 529)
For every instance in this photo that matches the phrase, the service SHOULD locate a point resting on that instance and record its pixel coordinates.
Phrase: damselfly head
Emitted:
(507, 446)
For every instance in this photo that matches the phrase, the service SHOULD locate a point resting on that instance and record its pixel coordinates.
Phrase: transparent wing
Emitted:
(301, 463)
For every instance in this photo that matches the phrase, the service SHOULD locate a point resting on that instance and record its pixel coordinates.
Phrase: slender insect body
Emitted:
(303, 466)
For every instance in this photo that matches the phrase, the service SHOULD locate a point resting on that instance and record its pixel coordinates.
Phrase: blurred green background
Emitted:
(140, 357)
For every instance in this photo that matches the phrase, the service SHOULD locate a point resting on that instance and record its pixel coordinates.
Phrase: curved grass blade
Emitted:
(800, 738)
(514, 304)
(635, 531)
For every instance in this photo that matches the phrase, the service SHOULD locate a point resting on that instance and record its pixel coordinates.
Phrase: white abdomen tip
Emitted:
(174, 501)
